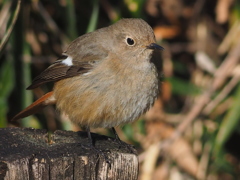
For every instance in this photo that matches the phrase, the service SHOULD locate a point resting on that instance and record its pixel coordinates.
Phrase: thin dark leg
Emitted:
(116, 135)
(98, 151)
(89, 137)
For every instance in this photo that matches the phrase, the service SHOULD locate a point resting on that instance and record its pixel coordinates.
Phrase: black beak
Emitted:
(155, 46)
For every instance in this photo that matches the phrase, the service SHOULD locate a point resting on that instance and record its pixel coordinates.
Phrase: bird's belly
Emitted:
(104, 104)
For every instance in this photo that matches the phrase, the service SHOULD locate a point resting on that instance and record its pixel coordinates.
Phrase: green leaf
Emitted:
(6, 78)
(128, 131)
(6, 86)
(94, 17)
(3, 111)
(229, 123)
(183, 87)
(71, 19)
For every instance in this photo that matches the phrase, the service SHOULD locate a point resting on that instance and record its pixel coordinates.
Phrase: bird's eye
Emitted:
(130, 41)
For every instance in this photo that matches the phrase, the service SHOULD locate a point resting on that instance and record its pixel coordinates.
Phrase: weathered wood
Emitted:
(27, 153)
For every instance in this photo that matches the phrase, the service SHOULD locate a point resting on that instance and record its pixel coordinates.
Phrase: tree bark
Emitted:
(27, 153)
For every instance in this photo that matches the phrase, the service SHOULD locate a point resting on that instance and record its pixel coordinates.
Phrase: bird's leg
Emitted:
(92, 147)
(90, 137)
(116, 136)
(121, 143)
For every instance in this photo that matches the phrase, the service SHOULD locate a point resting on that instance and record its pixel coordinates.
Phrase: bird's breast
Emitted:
(107, 98)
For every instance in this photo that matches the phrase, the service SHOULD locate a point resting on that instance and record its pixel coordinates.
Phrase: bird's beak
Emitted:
(155, 46)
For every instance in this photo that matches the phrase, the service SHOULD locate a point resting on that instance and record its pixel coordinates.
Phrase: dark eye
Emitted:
(130, 41)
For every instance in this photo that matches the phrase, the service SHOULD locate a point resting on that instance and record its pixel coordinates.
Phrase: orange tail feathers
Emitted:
(36, 106)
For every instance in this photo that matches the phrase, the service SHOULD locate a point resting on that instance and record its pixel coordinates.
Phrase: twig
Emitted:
(15, 16)
(228, 40)
(150, 162)
(194, 112)
(226, 90)
(4, 14)
(50, 22)
(202, 168)
(220, 76)
(227, 66)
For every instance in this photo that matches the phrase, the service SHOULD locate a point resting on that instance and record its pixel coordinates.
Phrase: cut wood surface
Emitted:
(27, 153)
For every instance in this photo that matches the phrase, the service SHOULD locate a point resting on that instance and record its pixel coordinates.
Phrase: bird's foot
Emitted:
(122, 144)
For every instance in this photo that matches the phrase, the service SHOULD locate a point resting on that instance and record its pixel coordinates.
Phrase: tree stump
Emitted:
(27, 153)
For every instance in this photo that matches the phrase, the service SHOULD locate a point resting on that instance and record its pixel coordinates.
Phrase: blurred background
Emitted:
(193, 130)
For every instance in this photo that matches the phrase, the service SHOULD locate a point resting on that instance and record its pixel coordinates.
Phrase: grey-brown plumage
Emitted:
(107, 77)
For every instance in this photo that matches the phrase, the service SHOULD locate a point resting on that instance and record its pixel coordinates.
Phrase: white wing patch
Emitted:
(68, 61)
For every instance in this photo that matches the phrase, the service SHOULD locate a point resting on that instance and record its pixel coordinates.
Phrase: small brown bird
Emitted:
(104, 78)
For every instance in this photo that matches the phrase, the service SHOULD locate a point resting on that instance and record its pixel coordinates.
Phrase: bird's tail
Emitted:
(36, 106)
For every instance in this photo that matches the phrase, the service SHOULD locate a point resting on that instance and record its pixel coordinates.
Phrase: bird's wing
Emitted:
(82, 55)
(64, 67)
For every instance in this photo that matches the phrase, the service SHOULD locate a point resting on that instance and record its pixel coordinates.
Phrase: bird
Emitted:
(104, 78)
